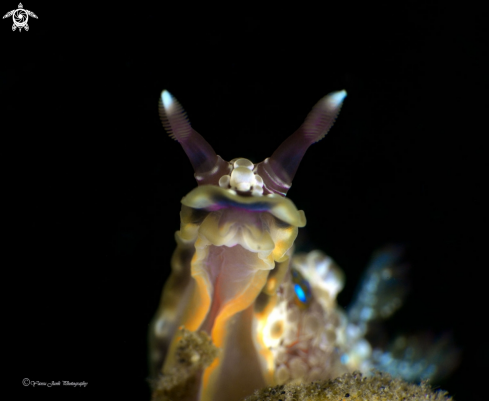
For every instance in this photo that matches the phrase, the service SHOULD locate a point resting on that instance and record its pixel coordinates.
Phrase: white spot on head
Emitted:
(258, 181)
(242, 178)
(243, 186)
(224, 181)
(166, 99)
(243, 163)
(257, 191)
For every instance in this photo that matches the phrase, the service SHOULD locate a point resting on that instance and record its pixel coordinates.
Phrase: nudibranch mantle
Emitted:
(211, 198)
(233, 254)
(240, 312)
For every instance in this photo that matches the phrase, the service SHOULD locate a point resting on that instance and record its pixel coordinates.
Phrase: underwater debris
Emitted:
(352, 387)
(195, 352)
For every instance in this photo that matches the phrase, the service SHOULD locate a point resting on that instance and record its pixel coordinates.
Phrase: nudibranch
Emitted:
(233, 252)
(239, 311)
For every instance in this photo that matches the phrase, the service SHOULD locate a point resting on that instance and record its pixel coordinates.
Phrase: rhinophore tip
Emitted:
(174, 118)
(203, 158)
(166, 99)
(283, 163)
(336, 98)
(323, 115)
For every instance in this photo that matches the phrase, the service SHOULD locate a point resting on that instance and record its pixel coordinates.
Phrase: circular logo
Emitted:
(26, 382)
(20, 17)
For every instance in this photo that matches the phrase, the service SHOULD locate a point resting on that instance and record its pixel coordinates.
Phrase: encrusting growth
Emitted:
(352, 387)
(195, 352)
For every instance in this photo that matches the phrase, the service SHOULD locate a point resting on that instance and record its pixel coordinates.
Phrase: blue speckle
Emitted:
(300, 293)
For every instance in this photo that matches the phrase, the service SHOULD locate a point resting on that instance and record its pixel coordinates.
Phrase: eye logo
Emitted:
(20, 17)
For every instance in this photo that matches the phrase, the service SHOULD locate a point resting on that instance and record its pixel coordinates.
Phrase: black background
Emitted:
(92, 183)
